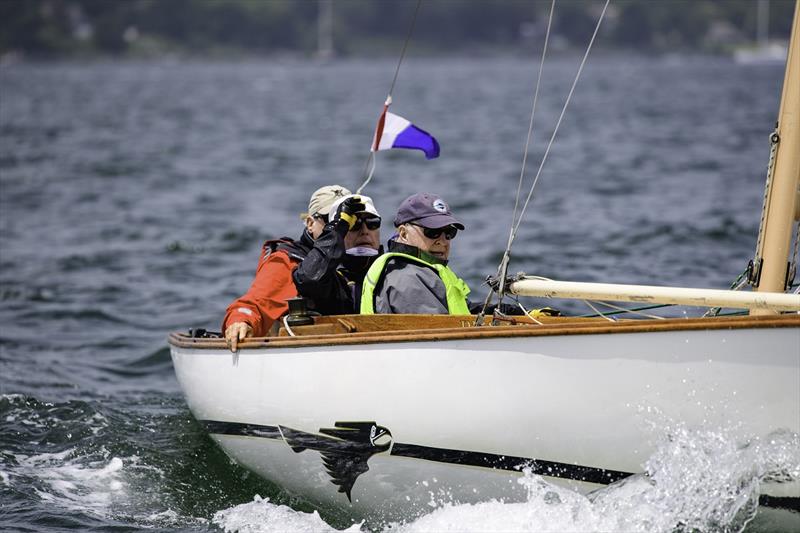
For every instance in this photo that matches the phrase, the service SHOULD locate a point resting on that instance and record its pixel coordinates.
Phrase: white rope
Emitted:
(370, 160)
(286, 325)
(598, 312)
(526, 313)
(558, 124)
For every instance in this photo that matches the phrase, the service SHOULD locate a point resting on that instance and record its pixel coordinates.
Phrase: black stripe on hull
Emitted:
(508, 462)
(243, 430)
(484, 460)
(780, 502)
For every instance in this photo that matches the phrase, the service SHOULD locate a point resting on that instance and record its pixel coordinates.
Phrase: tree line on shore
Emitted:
(148, 28)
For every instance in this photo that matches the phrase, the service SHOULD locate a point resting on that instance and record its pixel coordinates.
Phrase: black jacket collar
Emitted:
(407, 249)
(297, 249)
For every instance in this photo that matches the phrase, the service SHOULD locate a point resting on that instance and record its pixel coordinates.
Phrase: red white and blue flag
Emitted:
(394, 131)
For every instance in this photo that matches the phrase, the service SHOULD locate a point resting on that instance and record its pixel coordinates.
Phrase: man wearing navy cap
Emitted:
(413, 277)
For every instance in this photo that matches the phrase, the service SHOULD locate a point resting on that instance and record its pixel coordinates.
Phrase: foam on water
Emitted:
(98, 485)
(72, 481)
(261, 516)
(696, 480)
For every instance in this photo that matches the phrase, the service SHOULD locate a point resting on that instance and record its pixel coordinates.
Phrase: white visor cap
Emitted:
(366, 200)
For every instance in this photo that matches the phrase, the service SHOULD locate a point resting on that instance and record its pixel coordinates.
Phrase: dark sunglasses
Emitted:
(434, 233)
(372, 223)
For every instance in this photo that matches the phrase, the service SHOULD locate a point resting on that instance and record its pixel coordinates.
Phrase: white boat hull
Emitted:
(464, 415)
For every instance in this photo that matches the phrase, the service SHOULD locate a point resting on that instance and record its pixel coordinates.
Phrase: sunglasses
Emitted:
(434, 233)
(372, 223)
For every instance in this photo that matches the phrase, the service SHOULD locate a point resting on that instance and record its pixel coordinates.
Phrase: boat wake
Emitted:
(697, 480)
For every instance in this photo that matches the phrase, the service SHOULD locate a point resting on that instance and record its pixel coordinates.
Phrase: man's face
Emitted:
(361, 235)
(415, 236)
(314, 226)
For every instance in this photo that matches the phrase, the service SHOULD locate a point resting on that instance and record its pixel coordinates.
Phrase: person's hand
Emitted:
(348, 210)
(238, 331)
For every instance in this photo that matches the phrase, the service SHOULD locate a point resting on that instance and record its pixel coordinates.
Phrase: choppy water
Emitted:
(134, 198)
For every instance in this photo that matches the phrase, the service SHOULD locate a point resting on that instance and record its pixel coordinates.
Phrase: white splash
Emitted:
(696, 480)
(99, 484)
(73, 481)
(261, 516)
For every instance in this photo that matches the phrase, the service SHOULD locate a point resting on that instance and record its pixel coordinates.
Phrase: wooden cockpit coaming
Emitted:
(378, 329)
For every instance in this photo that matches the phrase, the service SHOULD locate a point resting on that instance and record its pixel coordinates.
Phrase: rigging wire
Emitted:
(558, 123)
(501, 271)
(369, 166)
(516, 224)
(405, 46)
(622, 310)
(503, 267)
(737, 284)
(533, 112)
(792, 270)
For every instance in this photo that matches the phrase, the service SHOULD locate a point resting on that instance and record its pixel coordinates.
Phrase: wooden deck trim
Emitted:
(561, 326)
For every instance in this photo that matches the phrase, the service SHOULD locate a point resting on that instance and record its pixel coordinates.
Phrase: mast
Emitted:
(782, 198)
(762, 23)
(324, 29)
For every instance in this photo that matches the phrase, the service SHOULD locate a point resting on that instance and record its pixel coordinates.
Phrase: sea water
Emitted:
(134, 198)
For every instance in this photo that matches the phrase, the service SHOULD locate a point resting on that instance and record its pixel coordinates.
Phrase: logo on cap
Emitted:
(440, 206)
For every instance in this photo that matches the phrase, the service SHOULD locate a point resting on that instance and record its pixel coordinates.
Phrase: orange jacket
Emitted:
(265, 300)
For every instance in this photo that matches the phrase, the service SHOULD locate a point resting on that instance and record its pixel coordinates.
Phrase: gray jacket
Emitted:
(410, 288)
(416, 289)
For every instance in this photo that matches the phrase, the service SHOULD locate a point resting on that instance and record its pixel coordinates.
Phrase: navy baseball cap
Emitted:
(427, 210)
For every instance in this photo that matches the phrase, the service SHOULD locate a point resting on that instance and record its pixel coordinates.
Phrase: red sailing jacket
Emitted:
(265, 300)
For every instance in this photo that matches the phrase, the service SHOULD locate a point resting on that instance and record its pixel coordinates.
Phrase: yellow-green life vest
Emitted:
(455, 287)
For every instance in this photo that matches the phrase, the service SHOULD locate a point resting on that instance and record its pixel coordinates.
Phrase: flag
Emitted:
(394, 131)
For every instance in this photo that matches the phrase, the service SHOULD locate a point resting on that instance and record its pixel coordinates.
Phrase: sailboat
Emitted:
(378, 415)
(764, 51)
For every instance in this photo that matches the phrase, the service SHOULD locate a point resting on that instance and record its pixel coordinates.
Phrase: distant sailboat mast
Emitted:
(762, 51)
(325, 29)
(762, 23)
